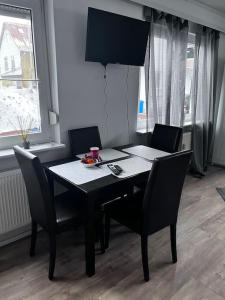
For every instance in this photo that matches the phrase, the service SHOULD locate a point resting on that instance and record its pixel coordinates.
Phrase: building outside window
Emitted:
(6, 64)
(13, 64)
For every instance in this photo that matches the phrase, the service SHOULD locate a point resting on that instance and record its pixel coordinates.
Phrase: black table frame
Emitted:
(95, 192)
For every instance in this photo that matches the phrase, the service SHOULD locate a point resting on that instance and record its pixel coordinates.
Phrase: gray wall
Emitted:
(85, 98)
(82, 100)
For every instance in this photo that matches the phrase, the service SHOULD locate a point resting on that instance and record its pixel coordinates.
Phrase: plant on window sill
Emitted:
(24, 125)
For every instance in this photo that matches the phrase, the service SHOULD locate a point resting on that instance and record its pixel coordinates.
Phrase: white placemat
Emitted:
(146, 152)
(76, 173)
(131, 166)
(108, 154)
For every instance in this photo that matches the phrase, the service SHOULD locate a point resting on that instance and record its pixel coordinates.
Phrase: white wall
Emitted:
(122, 7)
(191, 10)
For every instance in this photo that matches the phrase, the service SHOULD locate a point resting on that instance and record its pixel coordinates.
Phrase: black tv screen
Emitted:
(113, 38)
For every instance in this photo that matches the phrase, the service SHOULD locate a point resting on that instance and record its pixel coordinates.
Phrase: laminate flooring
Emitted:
(199, 273)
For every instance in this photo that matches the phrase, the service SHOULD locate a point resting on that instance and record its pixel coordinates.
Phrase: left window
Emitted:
(24, 84)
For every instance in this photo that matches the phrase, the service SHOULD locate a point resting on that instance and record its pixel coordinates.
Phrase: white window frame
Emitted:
(42, 69)
(141, 124)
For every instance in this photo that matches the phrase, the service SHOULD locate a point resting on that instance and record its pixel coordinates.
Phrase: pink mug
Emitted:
(94, 152)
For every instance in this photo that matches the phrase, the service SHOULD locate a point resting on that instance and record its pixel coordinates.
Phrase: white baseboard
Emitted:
(15, 235)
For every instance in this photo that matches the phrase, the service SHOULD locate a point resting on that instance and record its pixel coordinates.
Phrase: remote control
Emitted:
(118, 168)
(114, 169)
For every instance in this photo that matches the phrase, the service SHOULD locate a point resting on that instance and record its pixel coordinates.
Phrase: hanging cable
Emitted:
(127, 98)
(105, 124)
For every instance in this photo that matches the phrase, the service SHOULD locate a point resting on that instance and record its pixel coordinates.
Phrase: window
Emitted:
(141, 116)
(19, 98)
(22, 101)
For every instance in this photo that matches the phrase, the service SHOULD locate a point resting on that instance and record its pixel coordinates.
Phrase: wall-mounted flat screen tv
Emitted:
(113, 38)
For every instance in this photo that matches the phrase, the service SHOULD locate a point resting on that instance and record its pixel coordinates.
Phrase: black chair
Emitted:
(82, 139)
(156, 208)
(166, 138)
(54, 214)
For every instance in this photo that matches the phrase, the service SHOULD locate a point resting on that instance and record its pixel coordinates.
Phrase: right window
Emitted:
(142, 112)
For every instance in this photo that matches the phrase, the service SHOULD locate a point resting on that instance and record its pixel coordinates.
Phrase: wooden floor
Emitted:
(198, 274)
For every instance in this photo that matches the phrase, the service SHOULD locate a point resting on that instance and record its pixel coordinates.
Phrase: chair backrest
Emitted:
(163, 191)
(166, 138)
(39, 196)
(81, 139)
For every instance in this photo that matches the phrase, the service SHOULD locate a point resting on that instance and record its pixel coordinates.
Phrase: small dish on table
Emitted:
(89, 161)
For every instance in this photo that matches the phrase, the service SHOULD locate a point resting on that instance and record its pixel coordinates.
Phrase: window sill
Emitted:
(143, 131)
(187, 127)
(34, 149)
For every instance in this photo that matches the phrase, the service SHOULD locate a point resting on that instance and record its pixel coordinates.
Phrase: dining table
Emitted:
(98, 185)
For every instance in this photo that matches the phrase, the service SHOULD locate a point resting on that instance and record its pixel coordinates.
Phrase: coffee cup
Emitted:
(94, 152)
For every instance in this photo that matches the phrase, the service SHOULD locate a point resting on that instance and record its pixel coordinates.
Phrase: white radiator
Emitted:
(14, 210)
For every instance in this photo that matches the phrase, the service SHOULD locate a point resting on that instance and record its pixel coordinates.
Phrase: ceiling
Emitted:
(218, 5)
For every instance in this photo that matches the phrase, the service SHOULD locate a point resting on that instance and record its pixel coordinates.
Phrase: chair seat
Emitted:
(127, 211)
(67, 208)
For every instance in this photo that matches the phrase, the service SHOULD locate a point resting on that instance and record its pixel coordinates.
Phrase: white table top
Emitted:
(146, 152)
(108, 154)
(131, 166)
(76, 173)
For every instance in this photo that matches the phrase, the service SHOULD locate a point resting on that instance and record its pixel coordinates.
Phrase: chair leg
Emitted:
(33, 238)
(144, 252)
(107, 231)
(173, 240)
(52, 255)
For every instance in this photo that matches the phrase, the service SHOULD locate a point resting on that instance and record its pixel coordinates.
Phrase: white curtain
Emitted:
(165, 68)
(204, 113)
(165, 73)
(219, 145)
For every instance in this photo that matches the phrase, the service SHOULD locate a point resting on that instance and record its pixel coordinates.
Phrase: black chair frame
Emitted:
(53, 214)
(157, 208)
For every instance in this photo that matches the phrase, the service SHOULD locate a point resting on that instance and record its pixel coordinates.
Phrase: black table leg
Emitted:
(50, 181)
(90, 237)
